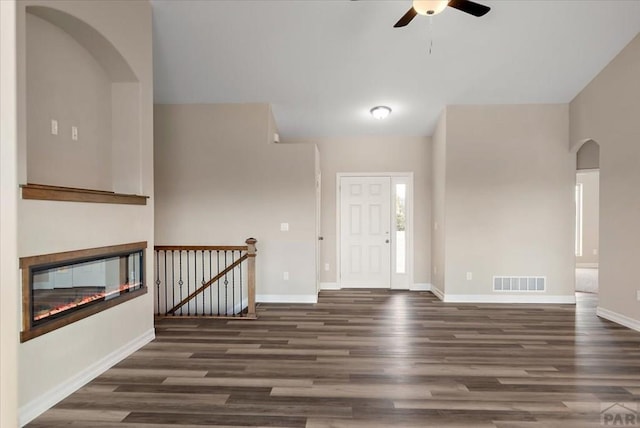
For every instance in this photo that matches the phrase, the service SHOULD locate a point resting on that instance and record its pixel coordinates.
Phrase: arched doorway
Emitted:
(587, 217)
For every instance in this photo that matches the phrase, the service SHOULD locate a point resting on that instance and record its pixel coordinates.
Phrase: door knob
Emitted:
(387, 241)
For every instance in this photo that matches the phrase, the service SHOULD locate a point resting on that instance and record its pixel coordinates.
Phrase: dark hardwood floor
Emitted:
(366, 358)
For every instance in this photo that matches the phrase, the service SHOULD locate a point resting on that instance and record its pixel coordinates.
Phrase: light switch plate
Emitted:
(284, 227)
(469, 276)
(54, 127)
(285, 276)
(74, 133)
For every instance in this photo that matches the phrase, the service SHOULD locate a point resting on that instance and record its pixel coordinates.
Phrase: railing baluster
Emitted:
(173, 280)
(226, 288)
(233, 285)
(195, 280)
(158, 280)
(218, 285)
(203, 295)
(180, 282)
(241, 302)
(166, 292)
(210, 288)
(188, 311)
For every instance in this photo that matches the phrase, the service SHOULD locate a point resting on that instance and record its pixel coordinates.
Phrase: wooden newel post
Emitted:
(251, 253)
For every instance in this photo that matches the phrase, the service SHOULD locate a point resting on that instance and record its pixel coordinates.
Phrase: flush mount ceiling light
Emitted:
(380, 112)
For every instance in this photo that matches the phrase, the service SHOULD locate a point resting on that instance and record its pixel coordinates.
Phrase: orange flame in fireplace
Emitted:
(84, 301)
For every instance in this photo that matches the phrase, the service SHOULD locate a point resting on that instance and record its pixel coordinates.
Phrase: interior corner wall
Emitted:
(9, 278)
(510, 186)
(607, 112)
(438, 209)
(590, 181)
(53, 365)
(376, 155)
(220, 179)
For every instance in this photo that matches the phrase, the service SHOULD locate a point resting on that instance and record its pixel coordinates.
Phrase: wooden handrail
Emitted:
(208, 284)
(201, 248)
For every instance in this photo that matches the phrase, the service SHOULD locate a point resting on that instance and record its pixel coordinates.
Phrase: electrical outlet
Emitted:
(595, 251)
(54, 127)
(326, 267)
(638, 294)
(285, 276)
(469, 276)
(74, 133)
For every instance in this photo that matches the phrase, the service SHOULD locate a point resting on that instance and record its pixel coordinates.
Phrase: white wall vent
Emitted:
(519, 283)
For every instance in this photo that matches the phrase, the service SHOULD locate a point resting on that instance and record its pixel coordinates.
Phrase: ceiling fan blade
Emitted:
(407, 18)
(470, 7)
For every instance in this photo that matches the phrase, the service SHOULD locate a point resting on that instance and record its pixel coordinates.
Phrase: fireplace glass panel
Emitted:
(60, 289)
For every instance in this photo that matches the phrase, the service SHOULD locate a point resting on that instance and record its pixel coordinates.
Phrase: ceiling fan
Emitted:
(434, 7)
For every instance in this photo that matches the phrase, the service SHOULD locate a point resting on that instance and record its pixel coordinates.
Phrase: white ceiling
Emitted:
(323, 64)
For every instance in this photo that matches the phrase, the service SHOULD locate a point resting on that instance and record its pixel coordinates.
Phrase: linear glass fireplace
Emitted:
(62, 288)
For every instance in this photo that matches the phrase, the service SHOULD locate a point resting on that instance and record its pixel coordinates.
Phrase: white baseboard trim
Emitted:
(287, 298)
(420, 286)
(50, 398)
(329, 286)
(437, 292)
(618, 318)
(508, 298)
(587, 265)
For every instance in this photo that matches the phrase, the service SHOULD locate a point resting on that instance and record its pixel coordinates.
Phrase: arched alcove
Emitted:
(102, 49)
(588, 155)
(82, 105)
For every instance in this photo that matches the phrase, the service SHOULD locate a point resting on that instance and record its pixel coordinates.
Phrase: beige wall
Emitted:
(46, 373)
(220, 180)
(607, 112)
(65, 82)
(9, 296)
(509, 199)
(126, 176)
(439, 167)
(376, 155)
(590, 218)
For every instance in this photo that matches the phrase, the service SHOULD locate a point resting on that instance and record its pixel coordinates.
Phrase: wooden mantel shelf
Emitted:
(71, 194)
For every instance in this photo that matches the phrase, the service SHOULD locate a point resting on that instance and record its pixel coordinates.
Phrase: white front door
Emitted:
(365, 226)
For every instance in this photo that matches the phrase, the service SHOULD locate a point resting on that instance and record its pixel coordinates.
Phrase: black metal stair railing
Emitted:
(205, 281)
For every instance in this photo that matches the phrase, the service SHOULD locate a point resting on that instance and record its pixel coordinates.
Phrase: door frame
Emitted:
(318, 228)
(393, 278)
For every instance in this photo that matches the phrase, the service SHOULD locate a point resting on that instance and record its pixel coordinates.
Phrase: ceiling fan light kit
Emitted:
(380, 112)
(434, 7)
(429, 7)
